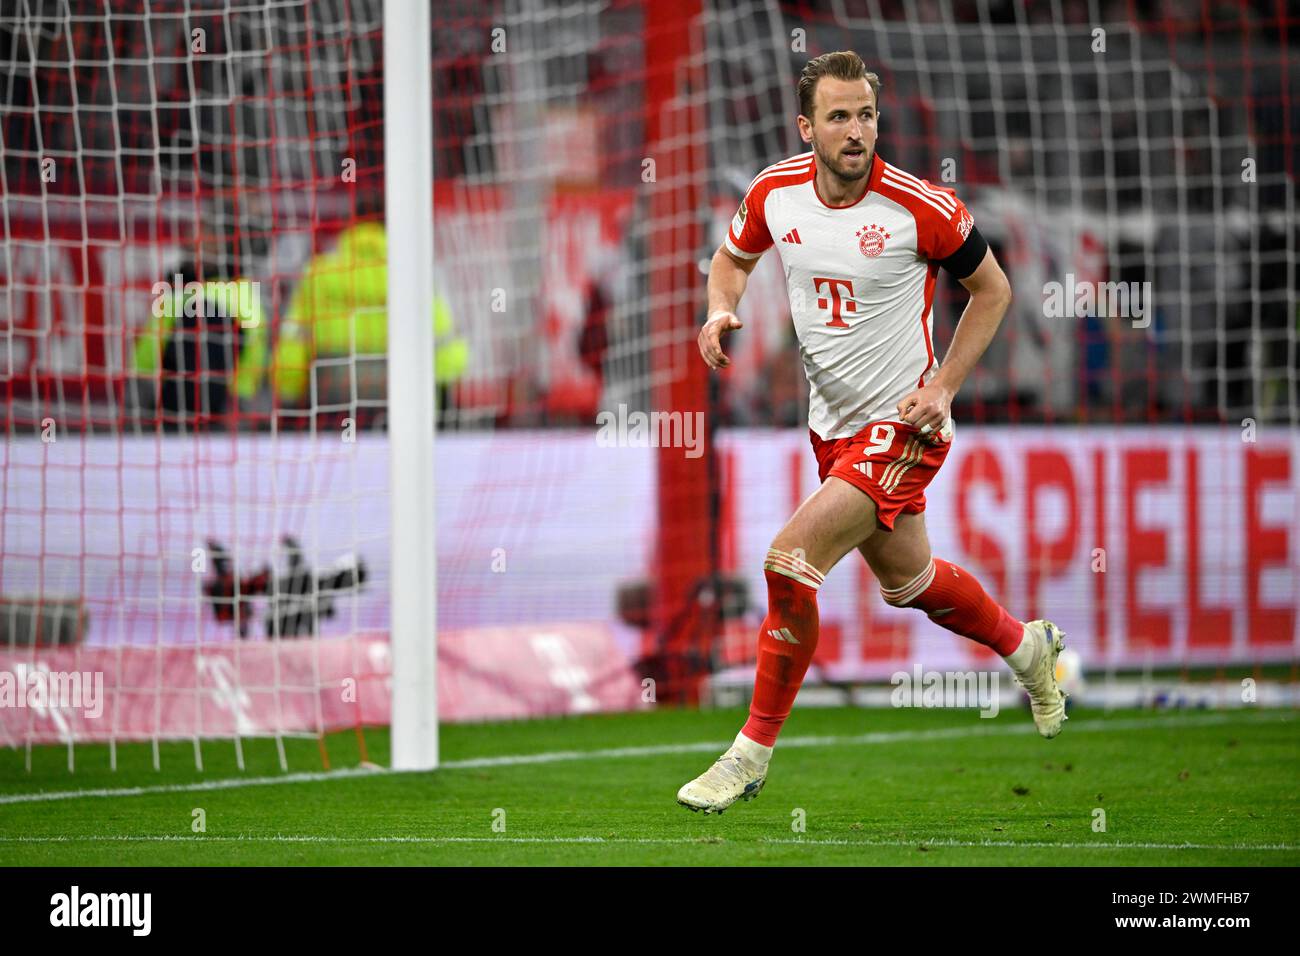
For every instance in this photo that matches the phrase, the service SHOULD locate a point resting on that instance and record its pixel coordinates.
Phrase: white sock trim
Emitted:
(1023, 656)
(911, 590)
(793, 566)
(752, 749)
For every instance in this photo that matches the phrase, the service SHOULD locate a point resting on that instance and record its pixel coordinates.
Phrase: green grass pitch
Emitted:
(846, 787)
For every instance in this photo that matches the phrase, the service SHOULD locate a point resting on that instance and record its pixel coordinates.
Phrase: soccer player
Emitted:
(862, 242)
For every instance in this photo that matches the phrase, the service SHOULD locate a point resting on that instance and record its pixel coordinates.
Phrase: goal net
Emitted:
(193, 333)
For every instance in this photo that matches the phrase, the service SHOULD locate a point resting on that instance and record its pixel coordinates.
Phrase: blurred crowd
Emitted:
(1134, 173)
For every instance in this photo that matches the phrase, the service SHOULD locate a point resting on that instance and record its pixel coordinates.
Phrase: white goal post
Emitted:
(408, 187)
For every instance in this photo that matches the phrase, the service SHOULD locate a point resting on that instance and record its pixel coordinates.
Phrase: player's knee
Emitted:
(905, 594)
(793, 566)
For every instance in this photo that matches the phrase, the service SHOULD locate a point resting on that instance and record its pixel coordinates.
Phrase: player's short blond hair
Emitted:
(840, 65)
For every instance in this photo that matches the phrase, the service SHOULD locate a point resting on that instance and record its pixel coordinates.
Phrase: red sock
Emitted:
(785, 643)
(954, 599)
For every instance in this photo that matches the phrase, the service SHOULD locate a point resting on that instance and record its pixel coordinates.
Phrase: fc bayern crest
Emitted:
(871, 240)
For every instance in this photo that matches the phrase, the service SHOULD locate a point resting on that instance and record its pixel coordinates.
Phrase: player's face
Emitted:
(843, 131)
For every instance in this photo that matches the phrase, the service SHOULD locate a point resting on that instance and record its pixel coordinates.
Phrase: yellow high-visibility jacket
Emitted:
(340, 307)
(240, 300)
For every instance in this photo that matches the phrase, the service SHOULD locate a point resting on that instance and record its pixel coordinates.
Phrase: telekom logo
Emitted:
(836, 302)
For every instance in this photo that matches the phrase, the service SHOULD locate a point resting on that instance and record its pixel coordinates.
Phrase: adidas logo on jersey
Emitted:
(792, 236)
(784, 635)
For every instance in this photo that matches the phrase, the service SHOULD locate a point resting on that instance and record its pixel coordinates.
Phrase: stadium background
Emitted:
(587, 158)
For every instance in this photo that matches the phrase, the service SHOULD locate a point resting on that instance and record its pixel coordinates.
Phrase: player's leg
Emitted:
(896, 557)
(834, 520)
(952, 598)
(826, 527)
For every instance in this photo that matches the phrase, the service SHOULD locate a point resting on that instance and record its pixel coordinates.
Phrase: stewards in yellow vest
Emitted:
(205, 339)
(340, 310)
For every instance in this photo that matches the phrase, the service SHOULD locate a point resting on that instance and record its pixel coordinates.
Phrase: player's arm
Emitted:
(990, 295)
(967, 256)
(728, 276)
(747, 239)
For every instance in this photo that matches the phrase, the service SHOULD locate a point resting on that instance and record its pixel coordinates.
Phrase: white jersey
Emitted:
(861, 282)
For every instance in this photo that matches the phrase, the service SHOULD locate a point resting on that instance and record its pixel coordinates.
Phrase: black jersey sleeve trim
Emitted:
(968, 258)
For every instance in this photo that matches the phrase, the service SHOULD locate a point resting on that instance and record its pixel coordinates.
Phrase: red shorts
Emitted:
(892, 463)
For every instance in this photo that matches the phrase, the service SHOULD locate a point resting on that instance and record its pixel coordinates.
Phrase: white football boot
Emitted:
(739, 774)
(1037, 675)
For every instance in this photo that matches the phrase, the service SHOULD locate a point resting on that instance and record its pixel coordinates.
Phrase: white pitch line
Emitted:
(675, 841)
(228, 783)
(559, 756)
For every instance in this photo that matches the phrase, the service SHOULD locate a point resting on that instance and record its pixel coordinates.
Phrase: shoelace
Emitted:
(729, 765)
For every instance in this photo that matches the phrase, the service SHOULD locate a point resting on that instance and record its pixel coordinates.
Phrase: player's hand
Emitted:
(929, 406)
(710, 339)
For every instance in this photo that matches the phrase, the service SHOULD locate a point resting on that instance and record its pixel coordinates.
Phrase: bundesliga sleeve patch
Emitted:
(738, 222)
